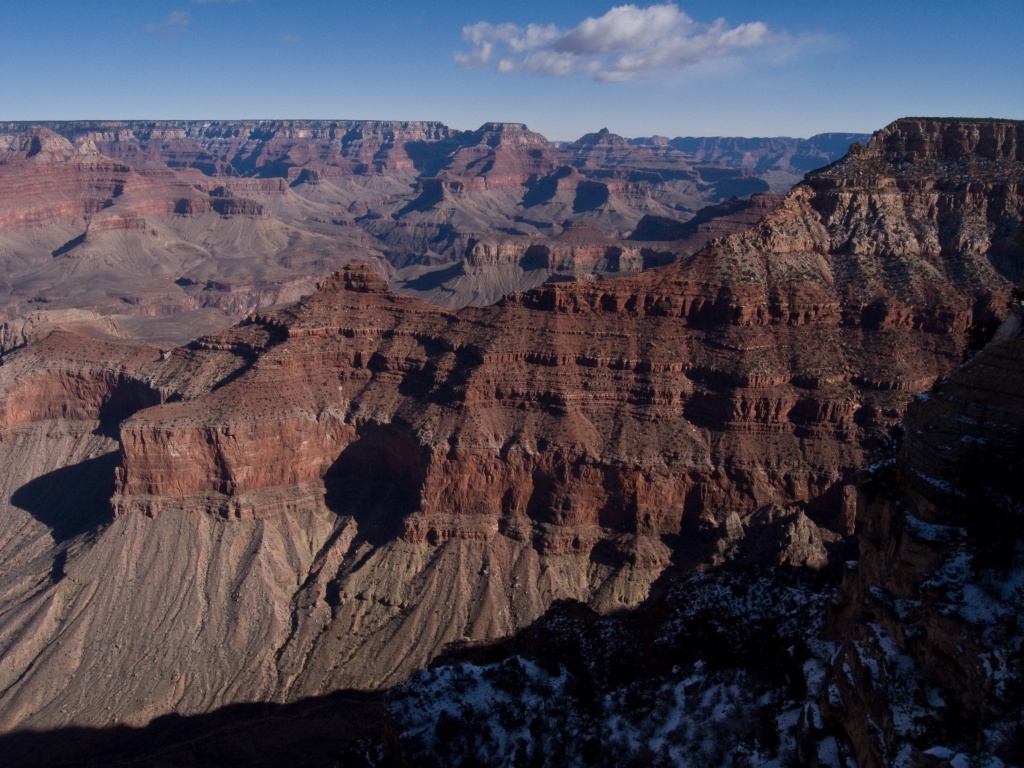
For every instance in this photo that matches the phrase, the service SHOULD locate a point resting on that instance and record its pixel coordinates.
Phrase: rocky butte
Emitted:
(328, 495)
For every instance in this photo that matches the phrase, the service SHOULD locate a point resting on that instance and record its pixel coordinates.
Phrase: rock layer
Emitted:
(330, 493)
(931, 616)
(208, 221)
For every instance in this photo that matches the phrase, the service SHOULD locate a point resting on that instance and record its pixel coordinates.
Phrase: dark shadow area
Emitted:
(69, 246)
(662, 229)
(708, 410)
(127, 396)
(435, 278)
(652, 258)
(72, 500)
(536, 257)
(244, 163)
(377, 480)
(545, 188)
(431, 194)
(35, 147)
(873, 316)
(453, 389)
(57, 569)
(606, 553)
(323, 731)
(742, 187)
(590, 195)
(428, 157)
(541, 225)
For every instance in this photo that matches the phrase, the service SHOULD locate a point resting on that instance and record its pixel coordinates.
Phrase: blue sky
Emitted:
(565, 69)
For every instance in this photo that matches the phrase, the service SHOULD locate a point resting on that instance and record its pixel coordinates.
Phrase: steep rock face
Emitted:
(171, 200)
(790, 294)
(931, 616)
(726, 218)
(500, 155)
(351, 483)
(617, 157)
(493, 266)
(578, 251)
(517, 408)
(35, 162)
(265, 147)
(892, 242)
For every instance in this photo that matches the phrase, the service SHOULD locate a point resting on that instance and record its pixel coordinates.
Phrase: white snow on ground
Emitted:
(933, 532)
(696, 720)
(941, 485)
(725, 713)
(518, 711)
(828, 752)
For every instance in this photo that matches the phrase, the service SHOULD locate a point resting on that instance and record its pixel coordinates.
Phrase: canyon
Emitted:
(167, 230)
(336, 493)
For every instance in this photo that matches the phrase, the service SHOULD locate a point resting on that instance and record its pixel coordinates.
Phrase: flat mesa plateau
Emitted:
(502, 421)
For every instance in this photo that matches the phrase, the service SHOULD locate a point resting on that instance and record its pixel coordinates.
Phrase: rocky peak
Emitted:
(603, 138)
(650, 141)
(933, 152)
(359, 277)
(507, 134)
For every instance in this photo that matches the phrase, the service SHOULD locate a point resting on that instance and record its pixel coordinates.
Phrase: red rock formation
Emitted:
(500, 155)
(171, 203)
(399, 476)
(794, 362)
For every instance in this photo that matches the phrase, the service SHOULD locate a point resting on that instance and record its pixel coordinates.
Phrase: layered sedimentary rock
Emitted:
(781, 161)
(208, 221)
(328, 494)
(495, 265)
(930, 618)
(260, 147)
(82, 231)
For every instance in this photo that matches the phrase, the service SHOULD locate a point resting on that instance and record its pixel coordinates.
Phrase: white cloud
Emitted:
(484, 37)
(626, 43)
(172, 27)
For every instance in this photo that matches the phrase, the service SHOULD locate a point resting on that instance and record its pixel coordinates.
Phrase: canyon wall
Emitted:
(207, 221)
(930, 618)
(328, 494)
